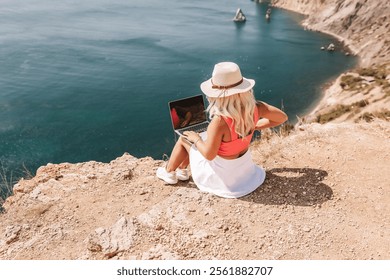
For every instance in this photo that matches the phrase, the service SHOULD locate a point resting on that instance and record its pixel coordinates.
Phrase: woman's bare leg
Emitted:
(185, 163)
(179, 156)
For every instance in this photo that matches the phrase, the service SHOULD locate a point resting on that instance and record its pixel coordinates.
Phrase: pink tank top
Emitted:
(236, 145)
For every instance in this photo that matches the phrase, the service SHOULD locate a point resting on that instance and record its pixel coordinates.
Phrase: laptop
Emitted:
(188, 114)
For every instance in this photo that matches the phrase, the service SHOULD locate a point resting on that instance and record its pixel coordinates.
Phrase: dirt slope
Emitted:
(326, 196)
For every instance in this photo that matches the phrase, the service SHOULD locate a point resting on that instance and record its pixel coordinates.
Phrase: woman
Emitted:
(220, 160)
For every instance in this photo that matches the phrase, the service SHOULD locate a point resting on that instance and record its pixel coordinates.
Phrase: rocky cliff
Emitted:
(361, 24)
(364, 26)
(326, 196)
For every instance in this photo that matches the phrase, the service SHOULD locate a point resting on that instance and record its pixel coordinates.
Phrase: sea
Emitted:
(91, 80)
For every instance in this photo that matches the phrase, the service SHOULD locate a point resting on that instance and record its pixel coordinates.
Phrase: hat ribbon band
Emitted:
(226, 87)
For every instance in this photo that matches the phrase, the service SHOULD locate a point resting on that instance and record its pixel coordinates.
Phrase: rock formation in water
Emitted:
(239, 17)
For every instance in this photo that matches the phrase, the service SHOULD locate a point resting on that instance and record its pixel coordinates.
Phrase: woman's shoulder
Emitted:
(217, 119)
(217, 127)
(262, 107)
(219, 122)
(261, 104)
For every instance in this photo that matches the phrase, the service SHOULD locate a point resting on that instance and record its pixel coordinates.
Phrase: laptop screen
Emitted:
(188, 111)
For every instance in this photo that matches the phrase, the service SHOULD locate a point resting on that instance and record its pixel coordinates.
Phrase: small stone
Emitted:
(143, 192)
(12, 233)
(159, 227)
(306, 229)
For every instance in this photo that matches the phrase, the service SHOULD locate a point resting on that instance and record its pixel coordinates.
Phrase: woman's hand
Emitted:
(191, 136)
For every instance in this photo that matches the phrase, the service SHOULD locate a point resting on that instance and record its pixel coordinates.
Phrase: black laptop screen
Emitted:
(187, 112)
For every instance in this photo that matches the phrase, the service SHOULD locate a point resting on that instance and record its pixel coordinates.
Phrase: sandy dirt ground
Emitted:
(326, 196)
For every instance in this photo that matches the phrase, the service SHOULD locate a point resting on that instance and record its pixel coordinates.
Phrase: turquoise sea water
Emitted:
(90, 80)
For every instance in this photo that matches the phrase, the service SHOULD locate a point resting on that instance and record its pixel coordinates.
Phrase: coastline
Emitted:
(362, 91)
(346, 42)
(364, 30)
(326, 91)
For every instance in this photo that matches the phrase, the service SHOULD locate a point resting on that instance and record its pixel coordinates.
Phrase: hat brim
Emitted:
(207, 88)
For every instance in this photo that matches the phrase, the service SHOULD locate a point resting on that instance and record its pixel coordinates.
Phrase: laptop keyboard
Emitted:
(197, 128)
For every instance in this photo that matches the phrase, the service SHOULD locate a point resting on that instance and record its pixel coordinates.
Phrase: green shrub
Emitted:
(337, 112)
(360, 104)
(340, 110)
(6, 184)
(377, 72)
(351, 82)
(383, 114)
(286, 128)
(366, 72)
(368, 117)
(8, 180)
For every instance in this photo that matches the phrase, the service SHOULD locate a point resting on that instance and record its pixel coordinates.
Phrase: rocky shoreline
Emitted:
(362, 25)
(358, 25)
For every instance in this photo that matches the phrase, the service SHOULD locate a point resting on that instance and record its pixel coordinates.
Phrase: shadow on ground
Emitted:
(292, 186)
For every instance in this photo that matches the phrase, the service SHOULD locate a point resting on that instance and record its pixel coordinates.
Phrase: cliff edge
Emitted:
(326, 196)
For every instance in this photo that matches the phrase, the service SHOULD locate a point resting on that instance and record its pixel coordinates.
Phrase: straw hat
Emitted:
(226, 80)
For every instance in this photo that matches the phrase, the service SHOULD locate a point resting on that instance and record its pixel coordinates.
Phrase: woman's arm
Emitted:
(269, 116)
(208, 148)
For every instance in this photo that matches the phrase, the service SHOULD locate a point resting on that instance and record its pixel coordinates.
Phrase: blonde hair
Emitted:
(239, 107)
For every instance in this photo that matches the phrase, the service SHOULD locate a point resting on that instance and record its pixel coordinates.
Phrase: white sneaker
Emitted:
(168, 177)
(182, 174)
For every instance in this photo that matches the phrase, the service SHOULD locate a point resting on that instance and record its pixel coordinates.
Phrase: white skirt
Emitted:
(230, 178)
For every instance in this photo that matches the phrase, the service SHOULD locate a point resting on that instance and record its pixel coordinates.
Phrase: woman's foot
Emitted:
(167, 177)
(182, 174)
